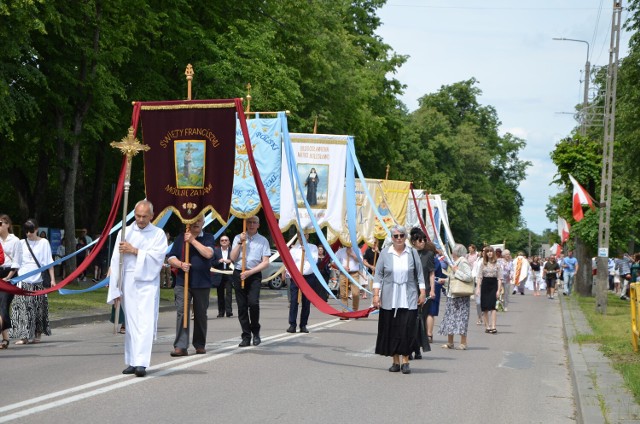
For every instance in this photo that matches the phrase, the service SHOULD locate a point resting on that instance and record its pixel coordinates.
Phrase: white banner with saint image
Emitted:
(320, 161)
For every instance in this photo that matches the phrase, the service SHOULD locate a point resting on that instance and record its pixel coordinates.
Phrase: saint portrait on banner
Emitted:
(314, 177)
(189, 162)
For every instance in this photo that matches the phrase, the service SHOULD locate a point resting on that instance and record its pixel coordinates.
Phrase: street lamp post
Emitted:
(587, 72)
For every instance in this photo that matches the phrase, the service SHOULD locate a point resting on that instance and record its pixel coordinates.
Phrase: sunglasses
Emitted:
(421, 240)
(399, 236)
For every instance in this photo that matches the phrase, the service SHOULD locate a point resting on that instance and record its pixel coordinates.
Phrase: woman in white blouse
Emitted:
(396, 284)
(31, 313)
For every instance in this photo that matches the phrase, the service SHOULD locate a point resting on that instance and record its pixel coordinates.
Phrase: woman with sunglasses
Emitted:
(398, 290)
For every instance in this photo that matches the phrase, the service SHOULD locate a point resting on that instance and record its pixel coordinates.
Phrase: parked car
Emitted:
(278, 282)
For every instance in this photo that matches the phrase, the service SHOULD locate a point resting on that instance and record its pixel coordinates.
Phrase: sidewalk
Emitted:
(599, 390)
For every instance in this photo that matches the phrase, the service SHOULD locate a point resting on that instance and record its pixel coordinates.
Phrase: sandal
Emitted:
(430, 338)
(479, 322)
(487, 330)
(4, 344)
(22, 342)
(122, 330)
(461, 347)
(492, 331)
(447, 346)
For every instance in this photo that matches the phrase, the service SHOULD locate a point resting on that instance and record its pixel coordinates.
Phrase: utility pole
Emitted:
(602, 277)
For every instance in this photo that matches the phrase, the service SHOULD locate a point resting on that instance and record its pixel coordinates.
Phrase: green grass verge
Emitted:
(613, 333)
(90, 302)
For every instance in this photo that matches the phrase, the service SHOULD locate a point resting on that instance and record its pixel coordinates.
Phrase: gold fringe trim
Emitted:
(189, 106)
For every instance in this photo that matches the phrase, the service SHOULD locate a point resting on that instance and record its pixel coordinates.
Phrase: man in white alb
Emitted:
(143, 252)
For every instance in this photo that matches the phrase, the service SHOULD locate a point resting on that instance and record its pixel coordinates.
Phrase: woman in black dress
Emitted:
(489, 288)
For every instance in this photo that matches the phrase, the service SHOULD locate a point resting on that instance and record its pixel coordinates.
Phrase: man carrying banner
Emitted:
(299, 254)
(349, 261)
(198, 267)
(247, 279)
(143, 253)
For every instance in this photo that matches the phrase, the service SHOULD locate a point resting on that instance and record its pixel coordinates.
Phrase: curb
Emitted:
(599, 391)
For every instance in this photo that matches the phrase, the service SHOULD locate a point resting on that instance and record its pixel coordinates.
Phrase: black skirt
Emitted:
(396, 334)
(488, 293)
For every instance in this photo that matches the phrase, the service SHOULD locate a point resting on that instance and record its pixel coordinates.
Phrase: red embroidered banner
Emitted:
(189, 166)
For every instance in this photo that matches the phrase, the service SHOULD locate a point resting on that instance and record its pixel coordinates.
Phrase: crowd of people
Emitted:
(407, 277)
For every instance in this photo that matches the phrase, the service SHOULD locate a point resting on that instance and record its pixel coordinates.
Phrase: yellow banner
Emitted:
(392, 204)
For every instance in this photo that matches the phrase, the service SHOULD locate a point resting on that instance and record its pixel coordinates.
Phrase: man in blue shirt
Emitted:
(569, 268)
(198, 267)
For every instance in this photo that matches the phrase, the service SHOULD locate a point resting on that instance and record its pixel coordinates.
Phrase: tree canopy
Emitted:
(69, 72)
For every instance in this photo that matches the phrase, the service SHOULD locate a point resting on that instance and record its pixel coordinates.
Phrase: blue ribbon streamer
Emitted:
(17, 279)
(208, 220)
(293, 174)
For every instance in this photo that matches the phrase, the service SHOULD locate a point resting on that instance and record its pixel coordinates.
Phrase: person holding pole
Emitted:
(198, 266)
(303, 259)
(250, 252)
(138, 286)
(349, 261)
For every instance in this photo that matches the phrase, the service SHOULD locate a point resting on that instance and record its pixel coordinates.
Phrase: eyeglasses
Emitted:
(399, 236)
(421, 240)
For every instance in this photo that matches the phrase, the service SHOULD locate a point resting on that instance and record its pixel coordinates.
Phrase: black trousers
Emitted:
(224, 296)
(5, 303)
(248, 301)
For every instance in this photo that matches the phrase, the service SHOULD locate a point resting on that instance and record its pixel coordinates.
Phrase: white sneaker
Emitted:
(506, 309)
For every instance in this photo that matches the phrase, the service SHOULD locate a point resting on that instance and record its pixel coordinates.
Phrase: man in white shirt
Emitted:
(349, 261)
(247, 282)
(297, 252)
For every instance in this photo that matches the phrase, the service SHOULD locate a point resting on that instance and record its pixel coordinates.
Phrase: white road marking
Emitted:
(114, 383)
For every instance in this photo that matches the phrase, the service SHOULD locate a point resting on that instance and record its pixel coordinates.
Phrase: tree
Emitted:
(451, 144)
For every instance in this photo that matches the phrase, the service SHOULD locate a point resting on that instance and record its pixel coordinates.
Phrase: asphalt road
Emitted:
(519, 375)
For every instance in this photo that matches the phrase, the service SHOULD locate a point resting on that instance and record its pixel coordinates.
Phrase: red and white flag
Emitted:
(563, 229)
(555, 249)
(580, 197)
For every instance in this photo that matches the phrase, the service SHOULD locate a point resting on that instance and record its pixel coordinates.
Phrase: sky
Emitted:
(532, 81)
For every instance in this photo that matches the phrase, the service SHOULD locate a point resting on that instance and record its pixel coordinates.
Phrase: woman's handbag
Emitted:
(459, 288)
(46, 278)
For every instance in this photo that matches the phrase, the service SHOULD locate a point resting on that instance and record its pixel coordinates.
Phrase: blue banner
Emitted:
(266, 142)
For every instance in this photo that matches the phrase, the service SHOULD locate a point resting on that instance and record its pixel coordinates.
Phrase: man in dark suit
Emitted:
(222, 281)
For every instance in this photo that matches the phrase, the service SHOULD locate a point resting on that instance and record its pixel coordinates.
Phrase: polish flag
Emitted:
(555, 249)
(563, 229)
(580, 197)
